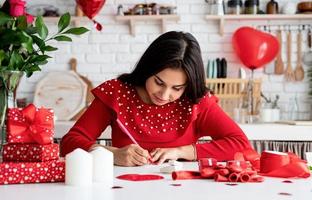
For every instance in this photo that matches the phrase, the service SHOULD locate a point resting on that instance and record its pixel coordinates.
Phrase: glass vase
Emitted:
(9, 81)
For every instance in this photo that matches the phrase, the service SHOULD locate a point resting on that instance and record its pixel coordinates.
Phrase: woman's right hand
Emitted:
(131, 155)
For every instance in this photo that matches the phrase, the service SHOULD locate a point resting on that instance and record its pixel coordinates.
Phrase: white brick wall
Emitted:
(103, 55)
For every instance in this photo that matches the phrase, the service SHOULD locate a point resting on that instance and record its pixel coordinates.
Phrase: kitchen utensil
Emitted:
(90, 97)
(299, 72)
(218, 61)
(307, 58)
(63, 91)
(223, 68)
(279, 64)
(289, 73)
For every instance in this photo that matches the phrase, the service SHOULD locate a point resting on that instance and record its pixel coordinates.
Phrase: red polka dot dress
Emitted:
(174, 124)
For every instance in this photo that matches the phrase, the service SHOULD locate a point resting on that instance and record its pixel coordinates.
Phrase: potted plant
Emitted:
(24, 48)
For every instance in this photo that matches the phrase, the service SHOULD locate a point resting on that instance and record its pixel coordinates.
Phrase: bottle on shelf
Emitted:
(272, 7)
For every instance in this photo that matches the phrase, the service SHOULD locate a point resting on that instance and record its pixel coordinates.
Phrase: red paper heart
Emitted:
(90, 7)
(254, 48)
(140, 177)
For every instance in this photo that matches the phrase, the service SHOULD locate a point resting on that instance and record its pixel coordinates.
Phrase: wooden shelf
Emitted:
(133, 18)
(223, 18)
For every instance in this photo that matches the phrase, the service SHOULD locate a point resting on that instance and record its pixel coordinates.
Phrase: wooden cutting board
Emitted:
(63, 91)
(89, 97)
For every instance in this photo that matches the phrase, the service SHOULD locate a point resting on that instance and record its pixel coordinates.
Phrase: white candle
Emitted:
(78, 168)
(103, 166)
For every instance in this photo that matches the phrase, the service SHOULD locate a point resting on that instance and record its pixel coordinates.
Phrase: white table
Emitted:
(301, 189)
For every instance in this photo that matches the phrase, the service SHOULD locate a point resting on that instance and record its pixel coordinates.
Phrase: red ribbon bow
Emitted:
(30, 125)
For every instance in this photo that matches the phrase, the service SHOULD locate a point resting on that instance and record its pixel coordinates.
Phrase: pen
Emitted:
(125, 130)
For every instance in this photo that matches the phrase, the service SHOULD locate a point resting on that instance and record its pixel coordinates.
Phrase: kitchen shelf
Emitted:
(223, 18)
(132, 19)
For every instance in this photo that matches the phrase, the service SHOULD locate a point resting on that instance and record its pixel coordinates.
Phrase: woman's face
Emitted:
(166, 86)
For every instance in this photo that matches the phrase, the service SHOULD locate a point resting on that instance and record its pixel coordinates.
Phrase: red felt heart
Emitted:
(254, 48)
(140, 177)
(90, 7)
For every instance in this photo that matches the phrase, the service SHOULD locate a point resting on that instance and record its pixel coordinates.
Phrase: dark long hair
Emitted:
(172, 50)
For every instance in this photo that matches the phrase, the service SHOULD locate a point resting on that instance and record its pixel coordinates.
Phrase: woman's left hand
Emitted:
(160, 155)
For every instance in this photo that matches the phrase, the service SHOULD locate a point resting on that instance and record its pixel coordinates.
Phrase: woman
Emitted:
(164, 105)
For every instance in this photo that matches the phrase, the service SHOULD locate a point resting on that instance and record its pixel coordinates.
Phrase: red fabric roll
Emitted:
(244, 177)
(183, 175)
(207, 172)
(220, 178)
(233, 177)
(223, 172)
(207, 162)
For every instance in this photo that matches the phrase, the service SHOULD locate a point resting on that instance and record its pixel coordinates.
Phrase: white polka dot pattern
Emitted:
(147, 119)
(32, 172)
(30, 152)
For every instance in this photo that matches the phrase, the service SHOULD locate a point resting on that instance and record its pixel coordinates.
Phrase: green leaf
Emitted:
(16, 61)
(28, 44)
(4, 18)
(41, 28)
(2, 56)
(40, 43)
(63, 22)
(38, 58)
(76, 31)
(48, 48)
(31, 30)
(22, 22)
(63, 38)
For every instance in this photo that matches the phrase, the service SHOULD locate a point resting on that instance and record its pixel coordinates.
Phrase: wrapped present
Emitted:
(30, 152)
(30, 125)
(32, 172)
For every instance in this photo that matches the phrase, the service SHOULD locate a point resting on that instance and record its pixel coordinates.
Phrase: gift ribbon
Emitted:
(277, 164)
(35, 125)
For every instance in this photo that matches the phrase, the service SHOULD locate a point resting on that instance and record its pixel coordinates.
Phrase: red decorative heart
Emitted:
(254, 48)
(90, 7)
(140, 177)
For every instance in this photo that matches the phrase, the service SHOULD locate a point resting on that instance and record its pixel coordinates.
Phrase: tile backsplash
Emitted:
(104, 55)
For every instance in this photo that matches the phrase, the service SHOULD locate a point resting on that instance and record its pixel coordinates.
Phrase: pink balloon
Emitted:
(254, 48)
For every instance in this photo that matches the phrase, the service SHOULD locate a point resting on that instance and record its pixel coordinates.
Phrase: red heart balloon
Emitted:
(254, 48)
(90, 7)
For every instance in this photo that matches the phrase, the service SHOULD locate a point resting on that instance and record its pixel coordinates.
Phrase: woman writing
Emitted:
(164, 105)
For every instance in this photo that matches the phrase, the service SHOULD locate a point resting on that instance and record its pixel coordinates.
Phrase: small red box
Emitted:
(32, 172)
(30, 152)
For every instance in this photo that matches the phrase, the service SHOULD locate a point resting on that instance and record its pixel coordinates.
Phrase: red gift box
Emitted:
(32, 172)
(30, 152)
(30, 125)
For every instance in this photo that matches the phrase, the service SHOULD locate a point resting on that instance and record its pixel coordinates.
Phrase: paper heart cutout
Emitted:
(140, 177)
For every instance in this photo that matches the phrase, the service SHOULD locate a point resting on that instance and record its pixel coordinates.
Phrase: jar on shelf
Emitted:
(272, 7)
(234, 7)
(251, 6)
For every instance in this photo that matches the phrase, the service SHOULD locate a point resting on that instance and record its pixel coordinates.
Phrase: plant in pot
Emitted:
(24, 48)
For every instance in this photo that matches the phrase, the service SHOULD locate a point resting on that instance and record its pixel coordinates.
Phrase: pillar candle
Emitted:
(103, 166)
(78, 168)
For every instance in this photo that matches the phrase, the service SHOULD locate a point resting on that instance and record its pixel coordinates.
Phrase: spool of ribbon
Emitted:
(277, 164)
(30, 125)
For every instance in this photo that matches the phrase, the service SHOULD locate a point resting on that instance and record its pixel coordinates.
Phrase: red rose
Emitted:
(17, 8)
(30, 18)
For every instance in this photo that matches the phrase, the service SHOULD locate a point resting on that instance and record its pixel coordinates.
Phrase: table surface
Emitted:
(264, 131)
(300, 189)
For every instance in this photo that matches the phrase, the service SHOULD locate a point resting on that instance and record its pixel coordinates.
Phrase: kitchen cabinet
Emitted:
(223, 18)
